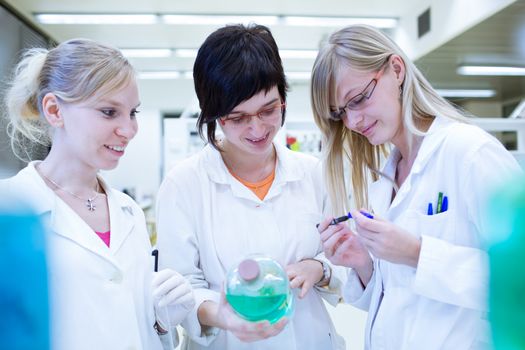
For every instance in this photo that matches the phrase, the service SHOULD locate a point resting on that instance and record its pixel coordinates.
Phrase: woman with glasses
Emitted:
(418, 262)
(246, 194)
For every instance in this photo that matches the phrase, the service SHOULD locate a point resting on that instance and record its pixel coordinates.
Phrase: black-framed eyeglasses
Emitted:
(356, 102)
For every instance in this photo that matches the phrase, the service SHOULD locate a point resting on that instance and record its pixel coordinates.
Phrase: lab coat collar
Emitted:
(288, 169)
(435, 136)
(380, 191)
(65, 222)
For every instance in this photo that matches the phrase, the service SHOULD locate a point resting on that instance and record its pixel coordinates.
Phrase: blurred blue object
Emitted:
(24, 315)
(506, 212)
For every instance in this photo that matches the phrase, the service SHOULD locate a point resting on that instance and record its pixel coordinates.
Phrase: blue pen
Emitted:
(343, 218)
(444, 205)
(430, 211)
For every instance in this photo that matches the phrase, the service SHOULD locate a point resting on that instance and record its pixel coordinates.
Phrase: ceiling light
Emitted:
(92, 18)
(51, 18)
(307, 54)
(164, 75)
(472, 93)
(146, 52)
(339, 21)
(187, 74)
(218, 20)
(490, 70)
(186, 53)
(298, 53)
(298, 75)
(160, 75)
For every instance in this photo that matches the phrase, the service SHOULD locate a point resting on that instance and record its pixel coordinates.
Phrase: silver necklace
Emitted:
(89, 202)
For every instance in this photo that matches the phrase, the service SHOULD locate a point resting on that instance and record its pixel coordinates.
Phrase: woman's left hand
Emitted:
(304, 274)
(387, 241)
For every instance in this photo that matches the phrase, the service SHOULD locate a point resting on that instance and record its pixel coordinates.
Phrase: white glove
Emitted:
(171, 292)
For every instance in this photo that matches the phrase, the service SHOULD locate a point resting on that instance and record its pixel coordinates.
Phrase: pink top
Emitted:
(104, 236)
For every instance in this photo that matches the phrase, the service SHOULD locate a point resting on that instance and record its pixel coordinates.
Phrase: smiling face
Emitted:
(376, 114)
(255, 135)
(96, 131)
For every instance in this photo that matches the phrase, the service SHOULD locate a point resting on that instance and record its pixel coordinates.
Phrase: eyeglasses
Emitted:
(269, 114)
(358, 101)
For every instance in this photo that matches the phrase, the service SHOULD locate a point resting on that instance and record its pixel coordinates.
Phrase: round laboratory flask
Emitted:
(258, 289)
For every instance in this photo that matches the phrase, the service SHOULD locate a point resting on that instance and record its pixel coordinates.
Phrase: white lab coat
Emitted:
(443, 303)
(208, 221)
(100, 297)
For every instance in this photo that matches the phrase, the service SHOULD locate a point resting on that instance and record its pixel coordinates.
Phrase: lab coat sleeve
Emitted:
(355, 294)
(454, 274)
(178, 249)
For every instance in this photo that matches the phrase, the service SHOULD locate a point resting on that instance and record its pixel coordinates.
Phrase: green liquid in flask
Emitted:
(257, 308)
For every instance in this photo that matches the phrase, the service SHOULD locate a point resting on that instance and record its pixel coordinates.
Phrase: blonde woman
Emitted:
(81, 100)
(419, 262)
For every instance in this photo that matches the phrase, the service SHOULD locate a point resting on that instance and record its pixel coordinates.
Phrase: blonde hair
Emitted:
(365, 49)
(74, 71)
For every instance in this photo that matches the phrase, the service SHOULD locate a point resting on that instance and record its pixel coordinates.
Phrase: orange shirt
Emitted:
(260, 188)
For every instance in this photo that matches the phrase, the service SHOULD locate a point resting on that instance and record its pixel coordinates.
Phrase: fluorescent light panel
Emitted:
(470, 93)
(51, 18)
(338, 21)
(218, 20)
(186, 53)
(192, 53)
(70, 18)
(146, 52)
(491, 70)
(161, 75)
(298, 53)
(298, 75)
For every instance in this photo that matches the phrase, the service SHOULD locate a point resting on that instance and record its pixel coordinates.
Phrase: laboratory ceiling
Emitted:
(497, 39)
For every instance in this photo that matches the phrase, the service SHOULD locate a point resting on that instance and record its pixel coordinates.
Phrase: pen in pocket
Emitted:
(441, 205)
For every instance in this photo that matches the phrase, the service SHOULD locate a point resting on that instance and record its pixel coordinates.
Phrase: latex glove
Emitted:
(304, 274)
(244, 330)
(173, 297)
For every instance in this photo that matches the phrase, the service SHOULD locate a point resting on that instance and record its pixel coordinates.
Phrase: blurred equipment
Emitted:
(507, 284)
(24, 323)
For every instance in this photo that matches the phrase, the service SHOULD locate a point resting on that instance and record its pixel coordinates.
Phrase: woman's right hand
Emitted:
(244, 330)
(343, 247)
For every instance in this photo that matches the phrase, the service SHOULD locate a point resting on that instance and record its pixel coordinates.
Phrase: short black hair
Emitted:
(233, 64)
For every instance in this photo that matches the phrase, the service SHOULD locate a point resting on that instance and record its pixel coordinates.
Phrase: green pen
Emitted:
(440, 202)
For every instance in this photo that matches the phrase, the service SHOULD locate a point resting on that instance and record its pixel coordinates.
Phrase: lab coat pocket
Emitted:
(440, 225)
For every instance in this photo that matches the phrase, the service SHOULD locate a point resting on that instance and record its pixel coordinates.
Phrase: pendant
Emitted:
(90, 205)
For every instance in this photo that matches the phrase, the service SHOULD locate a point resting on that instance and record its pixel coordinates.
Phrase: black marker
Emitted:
(343, 218)
(155, 253)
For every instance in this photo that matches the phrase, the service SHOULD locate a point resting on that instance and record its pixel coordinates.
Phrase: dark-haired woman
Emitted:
(246, 194)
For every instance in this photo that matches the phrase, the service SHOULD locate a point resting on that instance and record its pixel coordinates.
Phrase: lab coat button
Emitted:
(116, 278)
